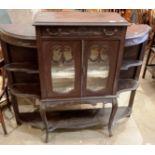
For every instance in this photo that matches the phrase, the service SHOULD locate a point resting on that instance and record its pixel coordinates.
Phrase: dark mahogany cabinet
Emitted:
(79, 60)
(79, 57)
(63, 60)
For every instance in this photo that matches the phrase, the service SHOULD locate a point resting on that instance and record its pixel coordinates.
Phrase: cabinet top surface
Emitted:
(137, 30)
(79, 18)
(22, 31)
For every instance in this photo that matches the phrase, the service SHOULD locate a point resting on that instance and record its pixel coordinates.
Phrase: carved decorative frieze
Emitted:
(82, 31)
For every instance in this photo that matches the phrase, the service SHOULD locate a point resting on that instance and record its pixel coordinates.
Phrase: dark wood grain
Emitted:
(136, 31)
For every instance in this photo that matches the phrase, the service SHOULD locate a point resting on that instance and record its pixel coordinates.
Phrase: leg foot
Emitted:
(129, 112)
(112, 115)
(44, 118)
(15, 108)
(131, 102)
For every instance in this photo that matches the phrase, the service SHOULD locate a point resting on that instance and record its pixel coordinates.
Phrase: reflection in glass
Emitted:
(57, 54)
(62, 69)
(98, 68)
(67, 53)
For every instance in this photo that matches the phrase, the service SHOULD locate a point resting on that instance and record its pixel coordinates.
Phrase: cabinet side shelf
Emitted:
(27, 67)
(130, 63)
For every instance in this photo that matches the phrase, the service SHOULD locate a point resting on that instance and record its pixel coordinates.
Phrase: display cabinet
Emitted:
(83, 60)
(79, 58)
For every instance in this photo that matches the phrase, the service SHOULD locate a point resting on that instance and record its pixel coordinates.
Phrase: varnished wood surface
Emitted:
(20, 35)
(25, 33)
(137, 30)
(20, 31)
(79, 18)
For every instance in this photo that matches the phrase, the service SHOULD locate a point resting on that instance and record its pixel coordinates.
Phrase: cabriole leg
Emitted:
(45, 121)
(112, 115)
(15, 108)
(131, 101)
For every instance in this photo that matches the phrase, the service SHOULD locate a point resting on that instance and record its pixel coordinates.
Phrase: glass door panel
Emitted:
(62, 69)
(98, 68)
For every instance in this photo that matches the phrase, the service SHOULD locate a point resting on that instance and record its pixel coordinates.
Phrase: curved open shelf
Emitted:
(26, 90)
(130, 63)
(127, 85)
(29, 68)
(75, 119)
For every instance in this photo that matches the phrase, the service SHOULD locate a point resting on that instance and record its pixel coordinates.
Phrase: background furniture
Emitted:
(4, 98)
(150, 65)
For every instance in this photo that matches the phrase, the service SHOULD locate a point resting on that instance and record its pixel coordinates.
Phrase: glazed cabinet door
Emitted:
(99, 67)
(60, 74)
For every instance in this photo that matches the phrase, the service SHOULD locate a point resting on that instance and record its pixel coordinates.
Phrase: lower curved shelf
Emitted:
(75, 119)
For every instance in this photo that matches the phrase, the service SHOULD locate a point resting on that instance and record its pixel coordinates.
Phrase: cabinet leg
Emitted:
(8, 100)
(112, 115)
(2, 122)
(44, 118)
(146, 64)
(131, 101)
(15, 108)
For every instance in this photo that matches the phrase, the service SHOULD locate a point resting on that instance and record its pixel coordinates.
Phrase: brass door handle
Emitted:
(109, 32)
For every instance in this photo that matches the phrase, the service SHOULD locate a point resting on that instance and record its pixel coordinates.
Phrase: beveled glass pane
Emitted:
(62, 69)
(98, 68)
